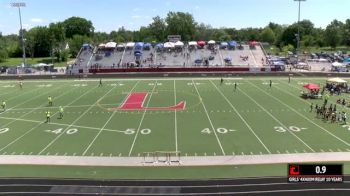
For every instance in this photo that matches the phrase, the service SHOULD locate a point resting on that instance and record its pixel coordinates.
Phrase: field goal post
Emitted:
(149, 157)
(168, 157)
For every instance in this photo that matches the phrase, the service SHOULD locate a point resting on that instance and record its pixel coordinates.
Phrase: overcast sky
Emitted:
(108, 15)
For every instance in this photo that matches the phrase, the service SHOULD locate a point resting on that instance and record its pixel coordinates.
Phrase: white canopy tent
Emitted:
(101, 45)
(179, 44)
(130, 44)
(192, 43)
(224, 44)
(211, 42)
(336, 80)
(110, 45)
(337, 64)
(121, 45)
(169, 45)
(40, 65)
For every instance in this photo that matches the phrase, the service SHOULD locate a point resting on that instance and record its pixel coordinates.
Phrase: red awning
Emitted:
(253, 43)
(201, 43)
(312, 86)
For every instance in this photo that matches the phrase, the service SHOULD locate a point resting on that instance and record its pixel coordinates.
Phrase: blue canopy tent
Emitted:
(147, 46)
(138, 45)
(86, 46)
(227, 59)
(198, 61)
(138, 53)
(232, 44)
(279, 65)
(347, 59)
(159, 46)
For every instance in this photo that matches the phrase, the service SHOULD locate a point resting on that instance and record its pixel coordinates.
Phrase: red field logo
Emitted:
(135, 101)
(294, 170)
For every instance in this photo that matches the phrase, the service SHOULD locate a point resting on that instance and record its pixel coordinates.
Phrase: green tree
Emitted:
(346, 33)
(3, 51)
(220, 35)
(100, 37)
(333, 33)
(31, 42)
(267, 35)
(76, 43)
(78, 26)
(180, 23)
(203, 32)
(288, 48)
(307, 41)
(157, 28)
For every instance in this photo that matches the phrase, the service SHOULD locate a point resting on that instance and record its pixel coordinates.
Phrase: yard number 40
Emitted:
(219, 130)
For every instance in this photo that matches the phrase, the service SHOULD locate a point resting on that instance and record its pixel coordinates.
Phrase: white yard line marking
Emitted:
(20, 94)
(346, 143)
(29, 131)
(35, 121)
(240, 116)
(211, 123)
(143, 116)
(176, 147)
(34, 108)
(329, 101)
(65, 106)
(35, 97)
(278, 121)
(86, 111)
(114, 112)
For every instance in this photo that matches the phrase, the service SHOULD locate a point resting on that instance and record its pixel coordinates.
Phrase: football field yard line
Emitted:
(211, 123)
(143, 116)
(86, 111)
(278, 121)
(176, 147)
(18, 138)
(100, 131)
(29, 131)
(329, 101)
(21, 103)
(16, 91)
(241, 117)
(65, 106)
(346, 143)
(36, 107)
(61, 124)
(297, 97)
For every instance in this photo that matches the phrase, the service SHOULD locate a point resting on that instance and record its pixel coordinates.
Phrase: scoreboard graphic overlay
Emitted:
(315, 173)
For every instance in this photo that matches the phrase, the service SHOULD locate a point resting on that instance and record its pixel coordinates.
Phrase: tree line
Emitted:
(51, 40)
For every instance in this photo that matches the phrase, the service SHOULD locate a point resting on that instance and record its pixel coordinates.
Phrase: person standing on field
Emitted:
(50, 100)
(100, 84)
(48, 116)
(3, 105)
(61, 112)
(311, 107)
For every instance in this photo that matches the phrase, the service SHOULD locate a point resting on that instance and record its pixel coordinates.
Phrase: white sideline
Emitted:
(185, 161)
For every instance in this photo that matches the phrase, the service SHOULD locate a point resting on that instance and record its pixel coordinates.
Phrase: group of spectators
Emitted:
(336, 88)
(330, 113)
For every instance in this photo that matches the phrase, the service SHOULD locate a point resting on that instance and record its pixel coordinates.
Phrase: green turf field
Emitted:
(216, 120)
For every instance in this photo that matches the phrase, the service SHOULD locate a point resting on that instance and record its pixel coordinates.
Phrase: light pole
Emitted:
(19, 5)
(298, 35)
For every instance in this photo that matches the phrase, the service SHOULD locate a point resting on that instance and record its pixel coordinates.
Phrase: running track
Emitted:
(238, 186)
